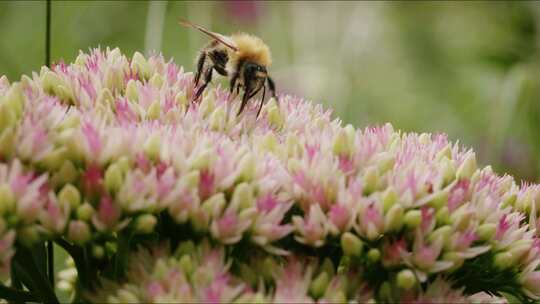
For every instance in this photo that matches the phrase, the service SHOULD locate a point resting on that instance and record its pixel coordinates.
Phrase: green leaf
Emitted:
(85, 273)
(27, 270)
(18, 296)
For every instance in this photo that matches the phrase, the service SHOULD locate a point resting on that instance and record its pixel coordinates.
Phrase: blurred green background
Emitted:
(468, 69)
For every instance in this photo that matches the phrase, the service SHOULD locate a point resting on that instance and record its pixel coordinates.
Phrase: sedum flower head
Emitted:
(109, 147)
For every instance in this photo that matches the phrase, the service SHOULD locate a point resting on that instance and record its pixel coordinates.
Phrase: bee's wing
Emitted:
(221, 38)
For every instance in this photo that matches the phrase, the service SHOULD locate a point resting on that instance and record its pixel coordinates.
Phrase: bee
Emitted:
(241, 57)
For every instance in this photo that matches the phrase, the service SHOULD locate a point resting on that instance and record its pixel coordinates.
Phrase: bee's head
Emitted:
(254, 71)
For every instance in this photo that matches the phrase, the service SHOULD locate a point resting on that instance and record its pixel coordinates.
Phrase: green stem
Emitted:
(121, 259)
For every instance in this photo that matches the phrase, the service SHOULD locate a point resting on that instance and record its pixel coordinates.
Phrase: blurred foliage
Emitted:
(469, 69)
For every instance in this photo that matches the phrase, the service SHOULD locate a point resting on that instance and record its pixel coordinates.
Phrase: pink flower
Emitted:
(457, 194)
(393, 252)
(370, 220)
(266, 203)
(107, 216)
(340, 216)
(92, 179)
(206, 184)
(92, 138)
(154, 289)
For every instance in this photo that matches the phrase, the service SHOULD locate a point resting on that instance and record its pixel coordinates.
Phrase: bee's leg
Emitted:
(234, 78)
(207, 79)
(200, 66)
(262, 100)
(247, 96)
(247, 92)
(219, 59)
(221, 70)
(244, 102)
(271, 86)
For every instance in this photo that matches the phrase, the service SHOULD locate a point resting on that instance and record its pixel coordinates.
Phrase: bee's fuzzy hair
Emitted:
(251, 48)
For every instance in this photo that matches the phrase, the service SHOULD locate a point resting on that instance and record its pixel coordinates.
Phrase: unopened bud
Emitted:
(248, 275)
(389, 198)
(269, 142)
(448, 171)
(274, 114)
(85, 212)
(319, 284)
(503, 260)
(385, 292)
(186, 247)
(406, 279)
(444, 152)
(519, 248)
(28, 235)
(509, 199)
(152, 147)
(218, 119)
(7, 117)
(341, 143)
(105, 98)
(370, 180)
(293, 145)
(186, 264)
(442, 233)
(461, 218)
(439, 199)
(454, 257)
(467, 168)
(78, 232)
(413, 218)
(113, 178)
(485, 232)
(328, 267)
(156, 80)
(207, 105)
(141, 66)
(201, 160)
(145, 223)
(442, 216)
(54, 159)
(67, 173)
(424, 138)
(98, 252)
(132, 93)
(385, 161)
(181, 99)
(247, 167)
(50, 82)
(351, 244)
(215, 204)
(190, 180)
(243, 196)
(127, 296)
(7, 199)
(70, 195)
(374, 255)
(393, 220)
(154, 110)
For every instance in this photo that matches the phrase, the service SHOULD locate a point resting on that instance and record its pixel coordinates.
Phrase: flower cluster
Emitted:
(110, 152)
(204, 274)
